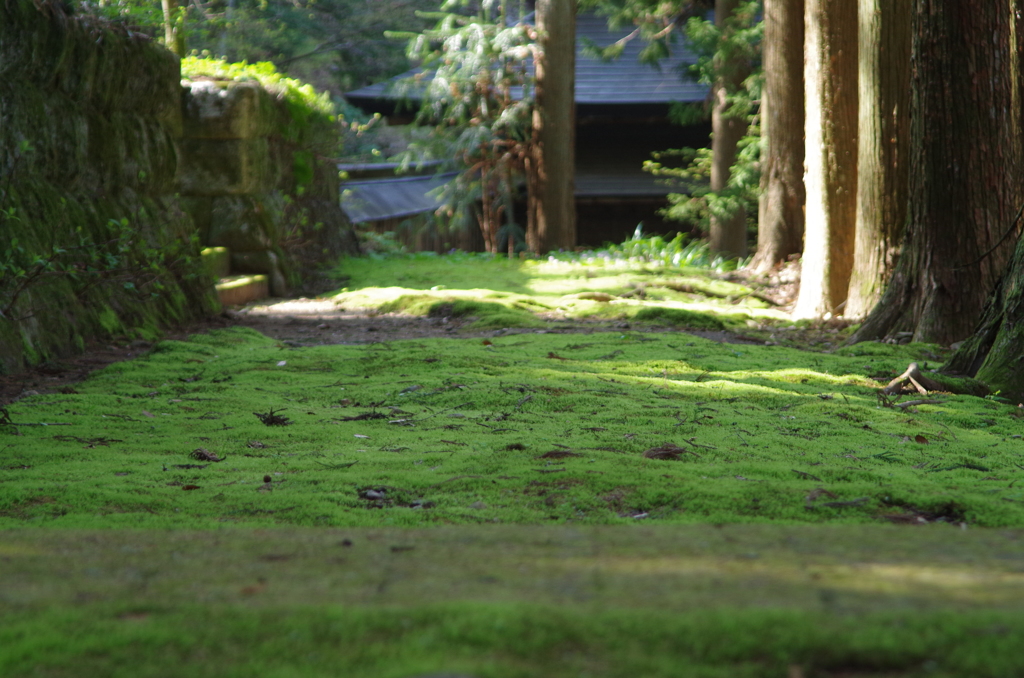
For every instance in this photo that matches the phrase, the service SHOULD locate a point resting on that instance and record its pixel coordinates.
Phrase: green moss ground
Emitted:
(525, 428)
(787, 538)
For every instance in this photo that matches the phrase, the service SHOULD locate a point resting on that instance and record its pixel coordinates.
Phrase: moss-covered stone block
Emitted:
(265, 262)
(242, 224)
(227, 167)
(255, 166)
(219, 109)
(217, 261)
(242, 289)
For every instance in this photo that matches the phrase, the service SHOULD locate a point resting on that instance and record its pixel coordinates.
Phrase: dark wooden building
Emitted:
(622, 116)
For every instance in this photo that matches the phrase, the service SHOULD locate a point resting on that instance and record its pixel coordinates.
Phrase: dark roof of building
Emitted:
(394, 198)
(624, 81)
(376, 199)
(590, 184)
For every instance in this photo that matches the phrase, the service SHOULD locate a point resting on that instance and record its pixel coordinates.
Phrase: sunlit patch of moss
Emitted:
(509, 312)
(576, 289)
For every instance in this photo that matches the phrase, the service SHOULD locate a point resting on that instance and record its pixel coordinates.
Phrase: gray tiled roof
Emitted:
(377, 199)
(626, 80)
(622, 185)
(622, 81)
(391, 198)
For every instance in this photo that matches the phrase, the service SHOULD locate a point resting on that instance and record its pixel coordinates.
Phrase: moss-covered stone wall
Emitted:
(93, 240)
(259, 178)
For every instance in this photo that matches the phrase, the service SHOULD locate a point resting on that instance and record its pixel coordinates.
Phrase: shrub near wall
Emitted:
(93, 241)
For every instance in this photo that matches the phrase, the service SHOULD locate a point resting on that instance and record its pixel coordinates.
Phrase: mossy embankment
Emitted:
(94, 241)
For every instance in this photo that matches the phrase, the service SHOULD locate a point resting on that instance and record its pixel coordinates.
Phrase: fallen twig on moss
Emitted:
(912, 377)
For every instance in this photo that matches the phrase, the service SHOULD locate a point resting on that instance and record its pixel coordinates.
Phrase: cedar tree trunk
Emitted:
(552, 218)
(780, 223)
(883, 148)
(728, 233)
(965, 154)
(995, 352)
(830, 78)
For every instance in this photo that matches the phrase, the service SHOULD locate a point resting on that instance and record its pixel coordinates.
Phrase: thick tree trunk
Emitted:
(965, 161)
(552, 218)
(780, 224)
(883, 148)
(830, 78)
(728, 233)
(994, 354)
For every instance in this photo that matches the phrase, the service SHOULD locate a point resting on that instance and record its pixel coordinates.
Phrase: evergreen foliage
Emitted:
(720, 52)
(476, 93)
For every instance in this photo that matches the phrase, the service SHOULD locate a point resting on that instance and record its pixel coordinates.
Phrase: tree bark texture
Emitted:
(994, 354)
(830, 79)
(965, 160)
(552, 219)
(780, 223)
(728, 233)
(883, 148)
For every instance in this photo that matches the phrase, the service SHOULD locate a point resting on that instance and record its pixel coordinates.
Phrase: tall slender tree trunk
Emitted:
(728, 232)
(883, 148)
(965, 162)
(780, 224)
(830, 78)
(174, 37)
(552, 218)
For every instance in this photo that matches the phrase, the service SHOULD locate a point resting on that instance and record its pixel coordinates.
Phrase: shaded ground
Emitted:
(841, 569)
(504, 602)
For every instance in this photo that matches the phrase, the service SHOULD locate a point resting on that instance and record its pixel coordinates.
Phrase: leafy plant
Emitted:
(77, 255)
(476, 95)
(679, 252)
(699, 203)
(721, 50)
(725, 54)
(380, 244)
(86, 262)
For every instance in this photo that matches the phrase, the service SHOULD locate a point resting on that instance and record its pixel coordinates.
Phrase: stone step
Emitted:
(241, 289)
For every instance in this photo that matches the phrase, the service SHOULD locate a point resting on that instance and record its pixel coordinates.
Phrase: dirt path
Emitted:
(296, 322)
(317, 321)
